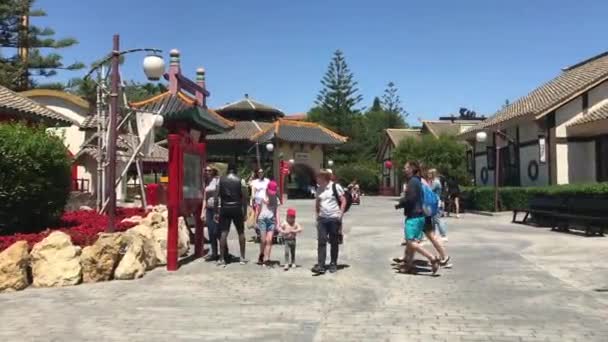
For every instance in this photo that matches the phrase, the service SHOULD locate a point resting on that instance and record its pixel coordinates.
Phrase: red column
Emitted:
(175, 187)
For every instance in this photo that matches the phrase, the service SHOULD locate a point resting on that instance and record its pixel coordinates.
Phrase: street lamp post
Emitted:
(153, 68)
(111, 188)
(482, 137)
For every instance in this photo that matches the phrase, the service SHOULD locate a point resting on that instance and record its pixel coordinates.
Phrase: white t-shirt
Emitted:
(259, 189)
(329, 205)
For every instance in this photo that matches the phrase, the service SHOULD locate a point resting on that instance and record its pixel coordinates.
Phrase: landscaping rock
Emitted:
(133, 219)
(55, 261)
(133, 263)
(99, 260)
(13, 267)
(154, 219)
(183, 243)
(146, 234)
(160, 208)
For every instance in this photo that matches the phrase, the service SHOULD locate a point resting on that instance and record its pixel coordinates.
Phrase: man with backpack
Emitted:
(417, 204)
(330, 206)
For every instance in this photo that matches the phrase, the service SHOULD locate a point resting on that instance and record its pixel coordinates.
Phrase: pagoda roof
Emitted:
(183, 107)
(249, 107)
(17, 106)
(299, 132)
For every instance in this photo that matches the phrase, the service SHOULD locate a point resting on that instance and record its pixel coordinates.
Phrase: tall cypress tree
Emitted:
(339, 96)
(27, 42)
(391, 102)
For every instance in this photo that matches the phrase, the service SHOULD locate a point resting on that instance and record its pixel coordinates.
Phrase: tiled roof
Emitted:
(300, 132)
(438, 128)
(297, 117)
(243, 130)
(248, 104)
(89, 123)
(19, 106)
(181, 105)
(595, 114)
(572, 82)
(397, 134)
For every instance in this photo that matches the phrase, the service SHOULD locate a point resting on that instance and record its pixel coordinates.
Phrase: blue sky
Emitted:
(441, 54)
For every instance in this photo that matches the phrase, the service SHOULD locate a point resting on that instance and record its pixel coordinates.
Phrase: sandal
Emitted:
(435, 265)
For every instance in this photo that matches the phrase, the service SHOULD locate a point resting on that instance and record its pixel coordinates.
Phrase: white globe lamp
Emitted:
(269, 147)
(481, 136)
(154, 67)
(330, 163)
(158, 120)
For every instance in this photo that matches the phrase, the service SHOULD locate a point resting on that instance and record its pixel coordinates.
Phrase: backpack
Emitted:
(430, 201)
(347, 195)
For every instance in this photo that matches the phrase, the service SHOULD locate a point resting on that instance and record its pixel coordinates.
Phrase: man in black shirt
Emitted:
(230, 207)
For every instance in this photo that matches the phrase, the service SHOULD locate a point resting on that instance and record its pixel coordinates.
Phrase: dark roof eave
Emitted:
(197, 117)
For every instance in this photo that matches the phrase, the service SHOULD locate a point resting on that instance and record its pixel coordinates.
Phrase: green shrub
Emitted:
(482, 198)
(447, 154)
(35, 178)
(366, 174)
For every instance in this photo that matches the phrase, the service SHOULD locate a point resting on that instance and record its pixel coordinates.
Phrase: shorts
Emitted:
(232, 215)
(428, 224)
(267, 224)
(413, 228)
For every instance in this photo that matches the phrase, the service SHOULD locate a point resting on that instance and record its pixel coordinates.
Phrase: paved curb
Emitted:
(490, 213)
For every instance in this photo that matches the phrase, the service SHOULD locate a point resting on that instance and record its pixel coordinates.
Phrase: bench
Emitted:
(579, 213)
(543, 208)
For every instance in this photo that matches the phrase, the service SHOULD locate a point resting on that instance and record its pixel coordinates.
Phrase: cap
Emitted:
(291, 212)
(272, 187)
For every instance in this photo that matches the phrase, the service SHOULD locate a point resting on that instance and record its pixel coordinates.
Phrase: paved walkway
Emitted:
(509, 283)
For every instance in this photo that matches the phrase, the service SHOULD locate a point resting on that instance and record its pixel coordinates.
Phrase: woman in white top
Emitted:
(258, 189)
(330, 206)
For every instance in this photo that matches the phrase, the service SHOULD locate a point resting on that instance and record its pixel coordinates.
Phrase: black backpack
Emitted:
(347, 195)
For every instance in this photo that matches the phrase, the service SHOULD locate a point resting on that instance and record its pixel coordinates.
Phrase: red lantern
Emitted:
(388, 164)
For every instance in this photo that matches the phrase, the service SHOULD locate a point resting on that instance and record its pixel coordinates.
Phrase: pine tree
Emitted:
(391, 102)
(27, 41)
(339, 96)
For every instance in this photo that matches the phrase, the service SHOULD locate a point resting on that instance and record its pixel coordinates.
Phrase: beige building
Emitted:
(556, 134)
(392, 178)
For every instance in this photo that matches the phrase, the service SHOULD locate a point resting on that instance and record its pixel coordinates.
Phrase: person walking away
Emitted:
(454, 195)
(230, 207)
(438, 223)
(415, 219)
(212, 180)
(330, 205)
(267, 221)
(290, 229)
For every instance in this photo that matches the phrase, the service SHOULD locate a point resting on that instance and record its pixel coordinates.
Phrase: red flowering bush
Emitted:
(82, 226)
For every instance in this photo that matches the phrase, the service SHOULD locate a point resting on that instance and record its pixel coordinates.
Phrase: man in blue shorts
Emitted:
(415, 219)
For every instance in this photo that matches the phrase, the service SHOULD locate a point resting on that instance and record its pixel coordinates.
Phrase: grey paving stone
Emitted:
(509, 283)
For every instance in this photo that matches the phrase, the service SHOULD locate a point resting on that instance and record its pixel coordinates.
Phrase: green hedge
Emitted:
(482, 198)
(34, 178)
(365, 173)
